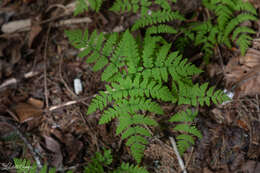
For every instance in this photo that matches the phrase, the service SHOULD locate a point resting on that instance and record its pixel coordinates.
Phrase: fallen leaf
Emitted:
(243, 73)
(27, 112)
(249, 166)
(35, 30)
(73, 146)
(35, 102)
(16, 53)
(54, 146)
(251, 59)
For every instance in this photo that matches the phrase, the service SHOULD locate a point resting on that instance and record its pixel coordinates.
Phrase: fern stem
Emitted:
(180, 161)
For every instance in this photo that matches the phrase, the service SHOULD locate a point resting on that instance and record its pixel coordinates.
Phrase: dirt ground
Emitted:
(42, 117)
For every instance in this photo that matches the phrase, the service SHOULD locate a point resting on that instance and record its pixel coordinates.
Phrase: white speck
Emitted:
(149, 12)
(229, 94)
(77, 86)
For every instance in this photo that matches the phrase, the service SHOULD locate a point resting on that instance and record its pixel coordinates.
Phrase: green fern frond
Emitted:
(133, 88)
(82, 5)
(23, 165)
(184, 116)
(183, 69)
(137, 146)
(230, 14)
(98, 49)
(196, 94)
(157, 17)
(243, 42)
(130, 127)
(185, 140)
(98, 162)
(241, 30)
(137, 73)
(188, 129)
(229, 21)
(127, 168)
(128, 5)
(245, 7)
(139, 5)
(130, 107)
(164, 4)
(128, 120)
(237, 20)
(161, 29)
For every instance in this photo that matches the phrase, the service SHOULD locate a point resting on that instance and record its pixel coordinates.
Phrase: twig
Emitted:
(72, 21)
(221, 59)
(45, 68)
(190, 156)
(181, 163)
(52, 108)
(23, 137)
(12, 81)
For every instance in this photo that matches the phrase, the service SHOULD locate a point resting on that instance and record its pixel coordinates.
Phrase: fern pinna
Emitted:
(153, 20)
(227, 28)
(138, 77)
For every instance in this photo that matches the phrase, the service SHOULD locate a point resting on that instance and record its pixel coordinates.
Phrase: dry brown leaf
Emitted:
(243, 73)
(206, 170)
(54, 146)
(251, 59)
(35, 30)
(16, 53)
(73, 146)
(249, 166)
(27, 112)
(35, 102)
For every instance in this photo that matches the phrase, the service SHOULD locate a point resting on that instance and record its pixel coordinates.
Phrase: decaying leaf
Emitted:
(35, 30)
(27, 112)
(243, 73)
(54, 146)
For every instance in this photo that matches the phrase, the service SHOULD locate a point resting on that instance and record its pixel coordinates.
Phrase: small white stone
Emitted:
(149, 12)
(230, 95)
(77, 86)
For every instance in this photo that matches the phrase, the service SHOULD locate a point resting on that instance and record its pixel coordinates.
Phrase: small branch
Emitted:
(72, 21)
(45, 68)
(12, 81)
(52, 108)
(181, 163)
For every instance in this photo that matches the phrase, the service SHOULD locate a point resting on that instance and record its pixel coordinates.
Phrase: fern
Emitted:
(161, 29)
(184, 140)
(127, 168)
(128, 5)
(157, 17)
(149, 17)
(137, 74)
(139, 5)
(83, 5)
(199, 95)
(227, 23)
(23, 166)
(98, 164)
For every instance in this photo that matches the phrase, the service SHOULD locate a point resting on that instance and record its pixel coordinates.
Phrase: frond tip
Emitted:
(185, 139)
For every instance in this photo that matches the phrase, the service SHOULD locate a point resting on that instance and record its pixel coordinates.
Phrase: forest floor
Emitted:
(37, 98)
